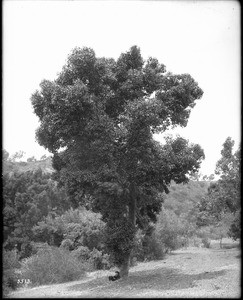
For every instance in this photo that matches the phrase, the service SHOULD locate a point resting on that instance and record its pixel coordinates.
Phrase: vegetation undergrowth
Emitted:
(52, 265)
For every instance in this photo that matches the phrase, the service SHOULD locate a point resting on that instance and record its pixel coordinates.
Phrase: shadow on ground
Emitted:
(160, 279)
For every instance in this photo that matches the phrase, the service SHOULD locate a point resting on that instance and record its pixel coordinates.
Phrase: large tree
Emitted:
(98, 119)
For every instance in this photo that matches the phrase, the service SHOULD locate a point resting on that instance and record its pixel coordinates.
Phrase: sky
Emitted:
(201, 38)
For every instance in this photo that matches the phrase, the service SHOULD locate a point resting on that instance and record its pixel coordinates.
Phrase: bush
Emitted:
(147, 247)
(184, 241)
(138, 250)
(83, 228)
(76, 227)
(94, 260)
(36, 247)
(168, 230)
(52, 265)
(202, 184)
(235, 227)
(10, 277)
(81, 253)
(206, 242)
(155, 250)
(9, 281)
(196, 242)
(66, 244)
(10, 260)
(99, 260)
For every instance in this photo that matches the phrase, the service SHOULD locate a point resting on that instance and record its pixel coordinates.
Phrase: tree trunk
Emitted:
(132, 206)
(124, 269)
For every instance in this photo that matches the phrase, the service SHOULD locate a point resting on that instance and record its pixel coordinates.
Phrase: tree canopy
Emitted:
(98, 118)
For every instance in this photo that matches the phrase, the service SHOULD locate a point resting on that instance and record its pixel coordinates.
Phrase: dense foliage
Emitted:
(98, 118)
(76, 227)
(27, 198)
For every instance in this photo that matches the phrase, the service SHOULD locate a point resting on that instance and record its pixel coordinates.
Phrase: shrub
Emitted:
(52, 265)
(196, 242)
(81, 253)
(99, 260)
(182, 242)
(10, 277)
(10, 260)
(202, 184)
(235, 227)
(147, 246)
(168, 230)
(133, 261)
(36, 247)
(76, 227)
(66, 244)
(138, 251)
(206, 242)
(9, 280)
(83, 228)
(155, 249)
(93, 260)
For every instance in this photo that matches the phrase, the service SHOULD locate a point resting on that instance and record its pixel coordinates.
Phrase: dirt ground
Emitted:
(186, 273)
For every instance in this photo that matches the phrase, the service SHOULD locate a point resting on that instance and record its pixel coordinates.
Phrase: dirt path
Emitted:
(191, 273)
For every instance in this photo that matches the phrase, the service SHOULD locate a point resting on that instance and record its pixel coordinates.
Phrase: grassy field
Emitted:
(186, 273)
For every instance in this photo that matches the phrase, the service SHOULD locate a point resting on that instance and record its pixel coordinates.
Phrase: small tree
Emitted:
(195, 176)
(5, 155)
(31, 159)
(221, 229)
(205, 177)
(211, 177)
(98, 119)
(17, 156)
(222, 205)
(235, 227)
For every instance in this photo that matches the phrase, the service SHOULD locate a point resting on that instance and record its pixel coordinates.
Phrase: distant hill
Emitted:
(182, 197)
(45, 165)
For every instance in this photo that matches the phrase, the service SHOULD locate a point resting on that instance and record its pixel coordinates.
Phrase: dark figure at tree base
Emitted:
(115, 277)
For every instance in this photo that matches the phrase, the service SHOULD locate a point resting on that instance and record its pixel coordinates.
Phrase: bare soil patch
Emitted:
(186, 273)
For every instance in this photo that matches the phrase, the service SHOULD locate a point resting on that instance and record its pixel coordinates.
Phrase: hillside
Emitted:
(182, 197)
